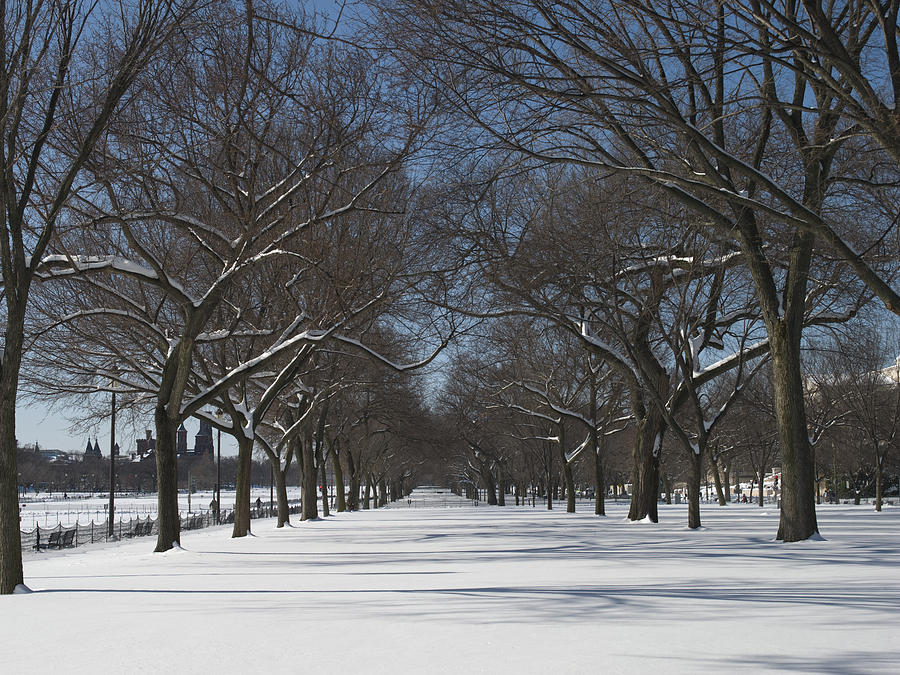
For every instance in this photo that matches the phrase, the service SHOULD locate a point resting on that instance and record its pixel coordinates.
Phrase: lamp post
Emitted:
(112, 457)
(219, 415)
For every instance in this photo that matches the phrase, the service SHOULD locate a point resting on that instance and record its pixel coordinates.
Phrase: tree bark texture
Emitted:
(242, 488)
(168, 520)
(695, 471)
(11, 572)
(645, 474)
(284, 507)
(308, 493)
(798, 500)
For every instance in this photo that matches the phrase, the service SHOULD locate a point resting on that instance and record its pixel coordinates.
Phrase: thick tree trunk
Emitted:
(645, 475)
(570, 488)
(762, 491)
(567, 471)
(489, 485)
(284, 508)
(168, 522)
(501, 491)
(354, 487)
(308, 494)
(798, 501)
(599, 485)
(11, 571)
(383, 494)
(367, 493)
(695, 470)
(242, 488)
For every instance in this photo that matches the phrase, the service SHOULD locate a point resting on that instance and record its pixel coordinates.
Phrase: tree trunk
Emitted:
(487, 477)
(382, 489)
(284, 508)
(726, 477)
(168, 522)
(645, 475)
(11, 572)
(353, 491)
(567, 471)
(695, 470)
(879, 481)
(798, 502)
(762, 491)
(321, 456)
(717, 478)
(308, 494)
(323, 487)
(242, 488)
(367, 494)
(501, 491)
(599, 485)
(549, 477)
(340, 501)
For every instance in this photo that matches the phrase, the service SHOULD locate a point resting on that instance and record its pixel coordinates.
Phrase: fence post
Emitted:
(37, 537)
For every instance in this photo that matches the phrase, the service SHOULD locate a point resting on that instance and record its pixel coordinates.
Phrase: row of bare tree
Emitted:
(213, 198)
(684, 188)
(637, 208)
(535, 414)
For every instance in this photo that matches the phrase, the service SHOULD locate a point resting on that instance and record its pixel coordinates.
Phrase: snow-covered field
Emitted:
(467, 590)
(48, 512)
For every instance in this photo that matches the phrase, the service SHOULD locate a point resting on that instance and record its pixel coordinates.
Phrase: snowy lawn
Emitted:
(49, 512)
(463, 590)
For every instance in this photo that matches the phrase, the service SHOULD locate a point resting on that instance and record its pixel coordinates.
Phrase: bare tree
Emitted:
(650, 91)
(52, 118)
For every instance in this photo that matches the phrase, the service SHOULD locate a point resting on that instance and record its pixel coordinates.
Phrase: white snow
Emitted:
(488, 589)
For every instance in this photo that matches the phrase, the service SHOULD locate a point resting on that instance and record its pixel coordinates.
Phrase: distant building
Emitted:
(95, 452)
(92, 450)
(203, 442)
(146, 446)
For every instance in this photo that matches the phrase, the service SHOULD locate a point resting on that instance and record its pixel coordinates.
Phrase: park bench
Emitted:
(140, 529)
(52, 541)
(59, 539)
(68, 538)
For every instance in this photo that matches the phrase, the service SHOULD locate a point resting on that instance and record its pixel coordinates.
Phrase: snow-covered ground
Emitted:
(466, 590)
(48, 511)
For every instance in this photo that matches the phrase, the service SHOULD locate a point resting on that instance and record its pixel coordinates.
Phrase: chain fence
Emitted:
(82, 534)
